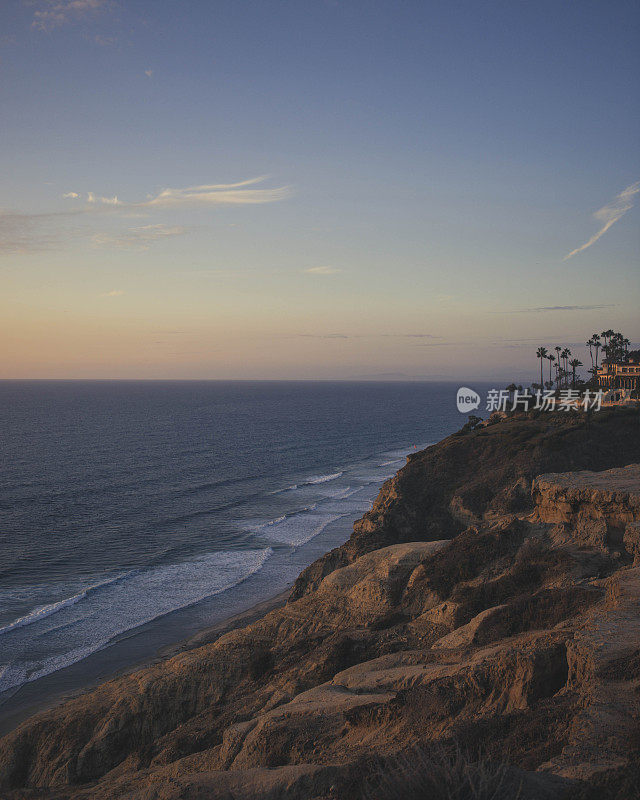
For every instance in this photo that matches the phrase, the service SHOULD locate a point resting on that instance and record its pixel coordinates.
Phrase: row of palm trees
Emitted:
(613, 345)
(565, 367)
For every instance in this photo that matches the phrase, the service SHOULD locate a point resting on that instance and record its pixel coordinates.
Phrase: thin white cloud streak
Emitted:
(55, 13)
(546, 309)
(71, 196)
(414, 335)
(138, 238)
(440, 344)
(365, 336)
(609, 215)
(217, 194)
(114, 293)
(201, 196)
(322, 271)
(325, 336)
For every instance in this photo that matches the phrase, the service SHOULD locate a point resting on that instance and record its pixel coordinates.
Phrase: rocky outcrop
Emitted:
(596, 508)
(513, 636)
(603, 660)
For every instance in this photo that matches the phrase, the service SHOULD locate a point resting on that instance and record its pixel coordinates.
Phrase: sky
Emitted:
(315, 189)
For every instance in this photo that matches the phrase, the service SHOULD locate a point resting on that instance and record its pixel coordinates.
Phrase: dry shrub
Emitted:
(440, 773)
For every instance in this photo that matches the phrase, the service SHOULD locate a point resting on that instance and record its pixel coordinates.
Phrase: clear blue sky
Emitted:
(426, 168)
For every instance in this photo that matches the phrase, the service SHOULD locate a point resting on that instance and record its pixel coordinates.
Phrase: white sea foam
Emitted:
(296, 529)
(342, 493)
(312, 480)
(286, 489)
(42, 612)
(78, 626)
(299, 526)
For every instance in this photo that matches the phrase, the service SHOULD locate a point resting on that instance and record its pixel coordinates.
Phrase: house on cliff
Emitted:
(620, 379)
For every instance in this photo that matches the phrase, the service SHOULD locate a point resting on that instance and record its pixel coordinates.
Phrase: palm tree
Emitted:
(565, 360)
(541, 353)
(591, 343)
(597, 344)
(617, 347)
(606, 335)
(550, 358)
(561, 377)
(574, 364)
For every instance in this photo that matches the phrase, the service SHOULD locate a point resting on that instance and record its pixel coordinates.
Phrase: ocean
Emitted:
(134, 513)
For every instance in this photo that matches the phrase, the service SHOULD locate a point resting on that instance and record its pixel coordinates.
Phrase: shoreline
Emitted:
(206, 635)
(213, 632)
(164, 637)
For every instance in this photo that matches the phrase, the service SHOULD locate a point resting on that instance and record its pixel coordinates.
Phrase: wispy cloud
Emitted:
(114, 293)
(140, 238)
(368, 336)
(25, 233)
(325, 336)
(106, 201)
(148, 72)
(208, 194)
(215, 194)
(543, 309)
(545, 341)
(51, 14)
(440, 344)
(413, 335)
(322, 271)
(608, 215)
(16, 232)
(105, 41)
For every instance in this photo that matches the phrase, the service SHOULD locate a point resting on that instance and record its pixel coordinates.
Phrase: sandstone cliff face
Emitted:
(467, 478)
(516, 635)
(600, 509)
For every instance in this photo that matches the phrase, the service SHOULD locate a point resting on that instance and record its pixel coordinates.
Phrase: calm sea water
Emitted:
(132, 513)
